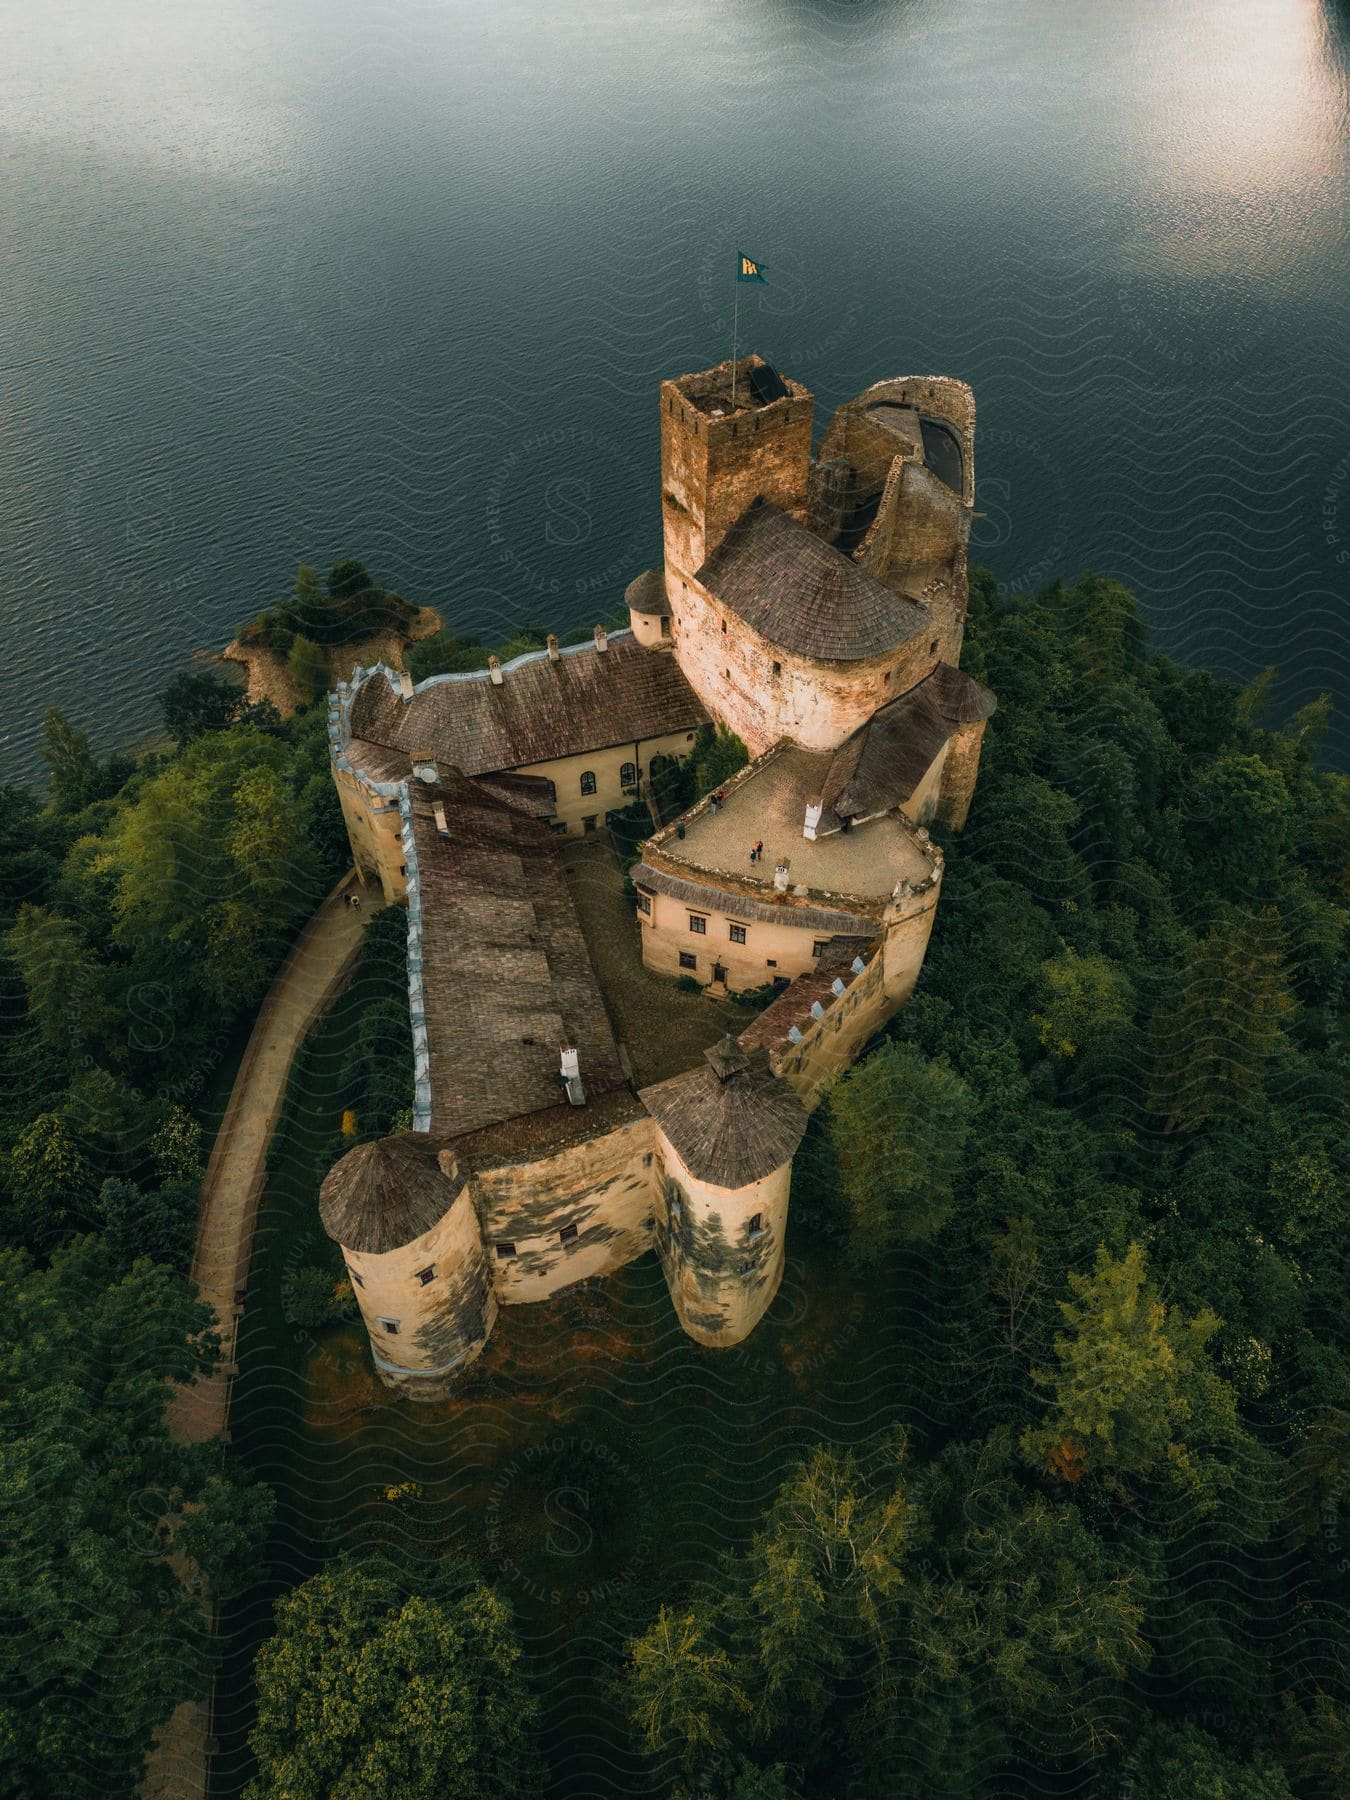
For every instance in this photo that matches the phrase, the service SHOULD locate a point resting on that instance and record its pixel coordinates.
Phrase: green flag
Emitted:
(747, 269)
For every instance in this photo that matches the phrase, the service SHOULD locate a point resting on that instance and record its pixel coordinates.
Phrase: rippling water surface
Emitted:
(285, 280)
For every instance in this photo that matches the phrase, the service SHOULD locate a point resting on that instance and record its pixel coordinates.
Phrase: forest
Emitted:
(1092, 1178)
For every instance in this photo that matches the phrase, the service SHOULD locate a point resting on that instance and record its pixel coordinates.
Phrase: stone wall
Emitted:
(721, 1269)
(603, 1186)
(441, 1323)
(712, 468)
(763, 693)
(960, 773)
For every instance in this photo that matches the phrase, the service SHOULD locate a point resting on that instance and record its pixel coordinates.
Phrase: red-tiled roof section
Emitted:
(505, 973)
(804, 594)
(587, 699)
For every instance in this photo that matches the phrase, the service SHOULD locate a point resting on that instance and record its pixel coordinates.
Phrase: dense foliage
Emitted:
(143, 909)
(1101, 1163)
(349, 604)
(370, 1689)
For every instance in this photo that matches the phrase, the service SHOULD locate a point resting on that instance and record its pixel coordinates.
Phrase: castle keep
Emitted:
(814, 605)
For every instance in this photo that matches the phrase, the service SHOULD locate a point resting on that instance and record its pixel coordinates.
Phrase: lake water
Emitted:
(290, 279)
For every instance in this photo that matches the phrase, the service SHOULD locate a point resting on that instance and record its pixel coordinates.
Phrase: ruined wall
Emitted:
(441, 1324)
(770, 951)
(605, 1187)
(565, 772)
(960, 773)
(933, 396)
(763, 693)
(712, 468)
(721, 1273)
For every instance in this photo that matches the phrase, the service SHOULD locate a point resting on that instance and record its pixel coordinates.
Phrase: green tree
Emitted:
(51, 1179)
(1214, 1037)
(684, 1694)
(1087, 1002)
(160, 1225)
(77, 777)
(1181, 1762)
(99, 1639)
(307, 667)
(897, 1123)
(349, 578)
(1240, 809)
(1119, 1399)
(193, 704)
(65, 982)
(714, 757)
(364, 1691)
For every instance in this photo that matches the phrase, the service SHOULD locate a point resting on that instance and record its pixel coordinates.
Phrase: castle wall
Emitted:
(721, 1274)
(565, 772)
(442, 1324)
(604, 1186)
(373, 826)
(770, 951)
(960, 774)
(830, 1044)
(763, 693)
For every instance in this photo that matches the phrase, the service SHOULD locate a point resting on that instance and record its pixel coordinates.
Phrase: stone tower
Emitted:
(718, 456)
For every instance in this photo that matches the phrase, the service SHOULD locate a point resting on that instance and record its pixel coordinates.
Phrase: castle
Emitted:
(812, 604)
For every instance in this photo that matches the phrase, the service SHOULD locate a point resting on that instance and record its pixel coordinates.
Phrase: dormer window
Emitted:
(427, 1274)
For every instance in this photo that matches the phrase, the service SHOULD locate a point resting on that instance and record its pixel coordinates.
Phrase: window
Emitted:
(567, 1233)
(778, 668)
(737, 934)
(588, 781)
(588, 823)
(755, 1224)
(644, 903)
(688, 960)
(358, 1279)
(724, 628)
(665, 627)
(505, 1252)
(425, 1275)
(391, 1326)
(820, 946)
(697, 925)
(932, 648)
(770, 963)
(403, 870)
(628, 775)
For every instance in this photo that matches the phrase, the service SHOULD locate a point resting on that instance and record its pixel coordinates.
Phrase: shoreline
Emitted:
(264, 675)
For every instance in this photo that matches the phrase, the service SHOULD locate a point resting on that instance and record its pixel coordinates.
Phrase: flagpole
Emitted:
(735, 333)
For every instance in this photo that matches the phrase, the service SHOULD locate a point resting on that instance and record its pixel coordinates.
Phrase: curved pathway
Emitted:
(312, 976)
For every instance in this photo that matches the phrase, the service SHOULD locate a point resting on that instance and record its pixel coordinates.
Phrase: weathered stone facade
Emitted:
(814, 606)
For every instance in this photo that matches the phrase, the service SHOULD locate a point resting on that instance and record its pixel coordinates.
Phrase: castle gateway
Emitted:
(815, 606)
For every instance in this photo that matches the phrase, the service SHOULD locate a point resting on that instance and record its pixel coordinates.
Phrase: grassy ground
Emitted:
(594, 1460)
(663, 1028)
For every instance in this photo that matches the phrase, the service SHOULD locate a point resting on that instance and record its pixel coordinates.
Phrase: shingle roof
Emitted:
(885, 760)
(381, 1196)
(585, 700)
(647, 594)
(728, 1131)
(506, 977)
(804, 594)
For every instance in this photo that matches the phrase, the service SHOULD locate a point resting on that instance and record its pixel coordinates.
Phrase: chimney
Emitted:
(405, 686)
(552, 646)
(780, 878)
(601, 638)
(439, 811)
(495, 670)
(570, 1076)
(813, 812)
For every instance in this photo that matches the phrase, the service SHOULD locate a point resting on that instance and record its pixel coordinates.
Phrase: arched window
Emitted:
(588, 781)
(627, 775)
